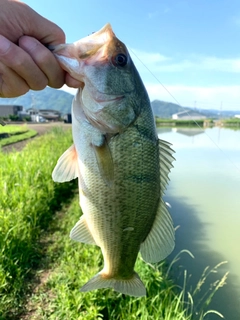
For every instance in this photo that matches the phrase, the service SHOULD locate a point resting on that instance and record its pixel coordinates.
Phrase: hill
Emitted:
(45, 99)
(163, 109)
(61, 101)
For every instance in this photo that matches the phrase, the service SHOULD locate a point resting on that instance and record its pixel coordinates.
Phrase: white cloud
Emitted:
(148, 58)
(152, 14)
(227, 97)
(160, 63)
(220, 64)
(68, 89)
(206, 96)
(236, 20)
(166, 10)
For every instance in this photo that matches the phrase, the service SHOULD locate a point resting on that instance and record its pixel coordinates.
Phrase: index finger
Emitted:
(45, 60)
(22, 64)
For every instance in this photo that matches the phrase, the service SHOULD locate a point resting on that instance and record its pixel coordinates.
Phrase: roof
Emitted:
(188, 112)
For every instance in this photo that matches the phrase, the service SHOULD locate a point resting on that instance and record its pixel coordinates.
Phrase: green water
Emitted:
(204, 193)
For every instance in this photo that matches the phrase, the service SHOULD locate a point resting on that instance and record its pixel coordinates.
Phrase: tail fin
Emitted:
(131, 287)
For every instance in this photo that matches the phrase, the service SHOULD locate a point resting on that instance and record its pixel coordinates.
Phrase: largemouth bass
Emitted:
(121, 165)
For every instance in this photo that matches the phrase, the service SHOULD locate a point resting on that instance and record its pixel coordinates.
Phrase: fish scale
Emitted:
(121, 164)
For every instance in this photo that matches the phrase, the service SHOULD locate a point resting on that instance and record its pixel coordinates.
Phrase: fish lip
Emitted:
(106, 99)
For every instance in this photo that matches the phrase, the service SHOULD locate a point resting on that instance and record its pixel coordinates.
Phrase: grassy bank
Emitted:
(13, 133)
(28, 201)
(72, 264)
(180, 123)
(234, 122)
(13, 129)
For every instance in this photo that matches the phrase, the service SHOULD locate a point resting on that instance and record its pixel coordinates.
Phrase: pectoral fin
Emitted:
(160, 241)
(105, 162)
(67, 166)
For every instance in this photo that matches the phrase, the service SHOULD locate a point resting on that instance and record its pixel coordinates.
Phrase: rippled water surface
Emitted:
(204, 193)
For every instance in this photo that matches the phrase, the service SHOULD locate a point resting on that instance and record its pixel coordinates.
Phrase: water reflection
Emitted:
(204, 193)
(188, 131)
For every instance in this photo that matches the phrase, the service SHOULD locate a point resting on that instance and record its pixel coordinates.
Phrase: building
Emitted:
(50, 115)
(44, 114)
(67, 118)
(36, 115)
(8, 110)
(188, 115)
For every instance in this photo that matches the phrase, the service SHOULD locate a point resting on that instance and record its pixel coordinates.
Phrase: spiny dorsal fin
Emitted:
(66, 168)
(81, 233)
(166, 158)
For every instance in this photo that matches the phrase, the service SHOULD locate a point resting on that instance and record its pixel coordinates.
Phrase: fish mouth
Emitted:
(106, 99)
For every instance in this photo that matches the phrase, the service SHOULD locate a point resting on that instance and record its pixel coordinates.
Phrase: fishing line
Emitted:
(186, 110)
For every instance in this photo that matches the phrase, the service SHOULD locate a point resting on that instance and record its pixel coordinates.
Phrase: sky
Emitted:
(185, 51)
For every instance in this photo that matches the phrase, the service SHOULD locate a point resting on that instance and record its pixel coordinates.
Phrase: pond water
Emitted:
(204, 193)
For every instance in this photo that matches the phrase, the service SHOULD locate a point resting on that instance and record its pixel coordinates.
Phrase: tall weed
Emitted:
(28, 201)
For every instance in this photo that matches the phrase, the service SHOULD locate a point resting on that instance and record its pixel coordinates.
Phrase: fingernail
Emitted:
(4, 45)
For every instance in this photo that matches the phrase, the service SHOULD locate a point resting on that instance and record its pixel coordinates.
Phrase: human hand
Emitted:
(25, 62)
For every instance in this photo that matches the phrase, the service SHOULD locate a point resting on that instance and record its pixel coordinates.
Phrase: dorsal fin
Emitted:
(160, 240)
(165, 158)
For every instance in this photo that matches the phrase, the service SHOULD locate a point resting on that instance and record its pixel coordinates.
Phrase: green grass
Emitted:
(15, 133)
(18, 137)
(181, 123)
(13, 129)
(233, 122)
(29, 199)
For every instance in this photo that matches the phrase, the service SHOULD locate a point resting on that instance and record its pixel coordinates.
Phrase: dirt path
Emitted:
(41, 129)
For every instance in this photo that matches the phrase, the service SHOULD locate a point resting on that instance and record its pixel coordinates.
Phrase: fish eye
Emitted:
(120, 60)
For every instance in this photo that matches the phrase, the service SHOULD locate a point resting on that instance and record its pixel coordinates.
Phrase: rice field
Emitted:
(10, 134)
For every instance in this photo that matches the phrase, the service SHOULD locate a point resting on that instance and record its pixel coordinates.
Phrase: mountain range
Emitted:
(48, 98)
(61, 101)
